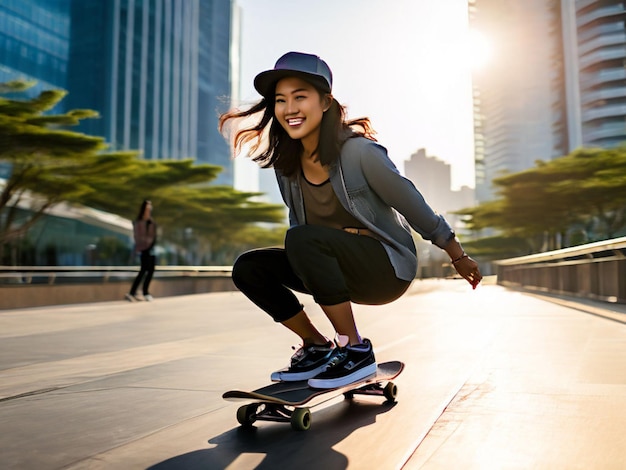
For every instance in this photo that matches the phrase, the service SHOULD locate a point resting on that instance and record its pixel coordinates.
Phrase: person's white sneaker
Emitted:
(306, 363)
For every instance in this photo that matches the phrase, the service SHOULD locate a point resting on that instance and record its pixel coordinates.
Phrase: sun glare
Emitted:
(479, 49)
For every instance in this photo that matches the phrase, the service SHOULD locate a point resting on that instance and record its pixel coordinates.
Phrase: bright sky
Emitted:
(403, 63)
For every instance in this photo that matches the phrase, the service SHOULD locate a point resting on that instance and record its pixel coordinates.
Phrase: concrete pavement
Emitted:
(494, 379)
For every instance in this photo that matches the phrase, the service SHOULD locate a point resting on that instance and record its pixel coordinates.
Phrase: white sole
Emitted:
(342, 381)
(284, 376)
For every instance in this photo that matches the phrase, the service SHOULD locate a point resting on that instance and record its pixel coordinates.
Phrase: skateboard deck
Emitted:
(284, 401)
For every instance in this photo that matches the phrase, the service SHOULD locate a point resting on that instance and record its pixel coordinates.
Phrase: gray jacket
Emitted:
(370, 187)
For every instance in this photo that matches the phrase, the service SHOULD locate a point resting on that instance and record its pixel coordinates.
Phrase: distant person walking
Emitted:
(145, 233)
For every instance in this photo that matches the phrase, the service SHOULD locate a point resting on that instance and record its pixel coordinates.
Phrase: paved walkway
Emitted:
(494, 379)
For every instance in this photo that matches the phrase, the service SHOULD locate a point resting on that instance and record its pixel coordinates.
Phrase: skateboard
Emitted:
(285, 401)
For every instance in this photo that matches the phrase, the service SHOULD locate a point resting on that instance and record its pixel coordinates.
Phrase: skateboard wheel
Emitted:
(246, 415)
(390, 392)
(301, 419)
(349, 395)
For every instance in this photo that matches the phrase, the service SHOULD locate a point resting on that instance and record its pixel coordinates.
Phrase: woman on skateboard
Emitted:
(350, 211)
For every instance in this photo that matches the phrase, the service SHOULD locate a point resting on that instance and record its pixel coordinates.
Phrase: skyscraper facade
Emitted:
(595, 39)
(34, 43)
(518, 102)
(157, 71)
(556, 83)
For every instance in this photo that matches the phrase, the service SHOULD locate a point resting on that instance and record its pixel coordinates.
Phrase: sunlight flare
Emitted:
(479, 49)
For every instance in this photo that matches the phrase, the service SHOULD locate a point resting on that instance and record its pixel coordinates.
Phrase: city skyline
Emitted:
(412, 79)
(155, 71)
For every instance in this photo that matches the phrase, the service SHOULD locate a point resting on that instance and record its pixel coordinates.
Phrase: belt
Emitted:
(360, 231)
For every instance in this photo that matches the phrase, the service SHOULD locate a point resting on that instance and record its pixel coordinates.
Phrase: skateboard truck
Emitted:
(300, 418)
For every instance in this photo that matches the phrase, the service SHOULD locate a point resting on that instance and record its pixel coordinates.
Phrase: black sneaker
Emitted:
(306, 363)
(348, 365)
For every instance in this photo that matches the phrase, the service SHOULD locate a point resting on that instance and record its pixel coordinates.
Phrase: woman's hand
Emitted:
(468, 268)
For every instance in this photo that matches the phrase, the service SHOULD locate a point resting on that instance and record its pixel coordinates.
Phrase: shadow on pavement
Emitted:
(276, 445)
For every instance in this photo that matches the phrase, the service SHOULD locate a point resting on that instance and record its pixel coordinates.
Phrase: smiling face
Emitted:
(299, 108)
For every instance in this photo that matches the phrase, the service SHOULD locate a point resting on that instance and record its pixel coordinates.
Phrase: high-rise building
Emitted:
(515, 118)
(34, 43)
(595, 45)
(556, 82)
(432, 177)
(34, 46)
(157, 71)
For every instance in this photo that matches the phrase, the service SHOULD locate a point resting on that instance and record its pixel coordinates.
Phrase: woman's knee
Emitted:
(257, 266)
(244, 268)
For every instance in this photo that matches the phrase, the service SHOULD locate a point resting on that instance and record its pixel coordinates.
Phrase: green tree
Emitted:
(593, 183)
(36, 151)
(548, 202)
(183, 201)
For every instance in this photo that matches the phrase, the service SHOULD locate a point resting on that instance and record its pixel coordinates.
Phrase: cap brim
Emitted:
(265, 82)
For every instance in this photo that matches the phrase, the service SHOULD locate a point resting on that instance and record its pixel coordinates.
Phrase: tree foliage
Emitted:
(37, 152)
(48, 164)
(582, 191)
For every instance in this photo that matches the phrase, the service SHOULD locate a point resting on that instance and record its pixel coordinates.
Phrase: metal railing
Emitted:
(595, 271)
(33, 286)
(79, 274)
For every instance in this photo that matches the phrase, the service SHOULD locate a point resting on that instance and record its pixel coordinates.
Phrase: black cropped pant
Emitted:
(148, 265)
(332, 265)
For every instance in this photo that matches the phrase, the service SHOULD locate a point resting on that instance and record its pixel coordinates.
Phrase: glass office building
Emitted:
(34, 43)
(157, 71)
(557, 82)
(516, 95)
(596, 35)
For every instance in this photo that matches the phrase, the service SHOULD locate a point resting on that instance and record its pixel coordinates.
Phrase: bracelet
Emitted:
(464, 255)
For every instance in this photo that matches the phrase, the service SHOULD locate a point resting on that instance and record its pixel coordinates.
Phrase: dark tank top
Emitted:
(322, 207)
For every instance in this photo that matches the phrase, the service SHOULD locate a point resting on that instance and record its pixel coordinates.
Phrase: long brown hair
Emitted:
(282, 152)
(142, 208)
